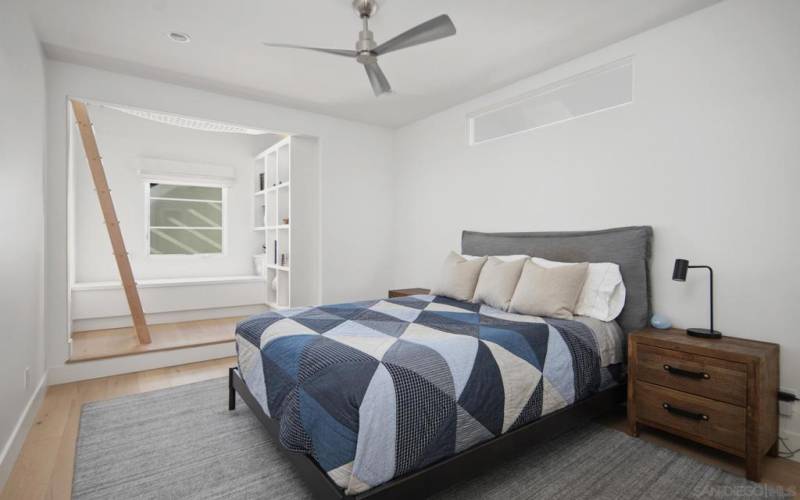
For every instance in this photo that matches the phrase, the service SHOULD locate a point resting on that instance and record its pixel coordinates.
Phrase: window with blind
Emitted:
(185, 219)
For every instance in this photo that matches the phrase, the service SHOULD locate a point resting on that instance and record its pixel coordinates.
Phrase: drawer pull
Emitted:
(684, 413)
(686, 373)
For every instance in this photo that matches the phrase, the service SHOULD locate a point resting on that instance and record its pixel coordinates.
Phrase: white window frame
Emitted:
(198, 183)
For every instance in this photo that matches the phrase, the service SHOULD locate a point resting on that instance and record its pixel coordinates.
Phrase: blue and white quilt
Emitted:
(374, 390)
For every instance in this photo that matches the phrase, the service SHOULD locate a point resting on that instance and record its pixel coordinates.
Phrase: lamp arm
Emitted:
(710, 290)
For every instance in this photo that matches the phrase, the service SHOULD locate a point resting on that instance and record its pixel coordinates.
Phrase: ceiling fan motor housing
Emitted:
(365, 45)
(365, 8)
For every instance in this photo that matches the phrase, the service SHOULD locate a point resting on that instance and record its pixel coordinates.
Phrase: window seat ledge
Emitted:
(167, 282)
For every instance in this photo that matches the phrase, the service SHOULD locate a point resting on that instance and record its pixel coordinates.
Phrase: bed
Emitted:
(395, 397)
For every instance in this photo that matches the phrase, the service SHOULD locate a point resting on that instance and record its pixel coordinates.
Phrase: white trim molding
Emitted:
(167, 300)
(12, 447)
(85, 370)
(167, 282)
(179, 171)
(125, 321)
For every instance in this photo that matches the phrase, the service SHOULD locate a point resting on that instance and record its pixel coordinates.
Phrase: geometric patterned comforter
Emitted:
(374, 390)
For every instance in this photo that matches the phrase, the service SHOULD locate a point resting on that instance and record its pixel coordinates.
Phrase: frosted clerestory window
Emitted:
(596, 90)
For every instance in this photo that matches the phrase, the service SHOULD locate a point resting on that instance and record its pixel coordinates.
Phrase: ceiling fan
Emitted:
(367, 51)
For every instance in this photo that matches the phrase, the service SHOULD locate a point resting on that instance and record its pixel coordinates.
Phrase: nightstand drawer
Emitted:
(721, 423)
(710, 377)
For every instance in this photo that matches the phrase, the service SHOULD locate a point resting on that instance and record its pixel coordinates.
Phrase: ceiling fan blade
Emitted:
(380, 85)
(436, 28)
(337, 52)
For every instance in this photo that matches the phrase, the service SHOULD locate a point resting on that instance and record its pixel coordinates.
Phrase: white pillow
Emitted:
(603, 293)
(458, 277)
(497, 282)
(504, 258)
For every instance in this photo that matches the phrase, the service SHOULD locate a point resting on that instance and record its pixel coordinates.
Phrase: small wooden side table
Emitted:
(405, 292)
(721, 393)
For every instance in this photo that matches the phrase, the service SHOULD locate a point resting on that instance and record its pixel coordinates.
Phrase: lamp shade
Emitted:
(679, 271)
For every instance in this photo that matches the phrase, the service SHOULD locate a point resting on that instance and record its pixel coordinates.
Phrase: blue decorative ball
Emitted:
(660, 321)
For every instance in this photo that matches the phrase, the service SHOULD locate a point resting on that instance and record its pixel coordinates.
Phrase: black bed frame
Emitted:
(448, 471)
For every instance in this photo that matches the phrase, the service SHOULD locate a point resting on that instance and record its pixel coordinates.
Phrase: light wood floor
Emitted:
(777, 471)
(99, 344)
(44, 467)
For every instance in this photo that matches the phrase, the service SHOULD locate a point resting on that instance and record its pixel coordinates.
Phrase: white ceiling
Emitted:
(498, 42)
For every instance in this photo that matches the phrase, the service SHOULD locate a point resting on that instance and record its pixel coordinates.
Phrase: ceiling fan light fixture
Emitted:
(178, 37)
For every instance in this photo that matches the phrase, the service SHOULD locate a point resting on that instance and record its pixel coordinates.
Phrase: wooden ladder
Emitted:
(110, 218)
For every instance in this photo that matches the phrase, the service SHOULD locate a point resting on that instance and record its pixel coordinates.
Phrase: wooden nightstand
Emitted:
(405, 292)
(721, 393)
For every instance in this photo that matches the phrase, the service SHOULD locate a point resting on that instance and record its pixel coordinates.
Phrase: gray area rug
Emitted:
(184, 443)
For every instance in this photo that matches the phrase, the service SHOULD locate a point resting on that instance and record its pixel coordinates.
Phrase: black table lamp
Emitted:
(679, 274)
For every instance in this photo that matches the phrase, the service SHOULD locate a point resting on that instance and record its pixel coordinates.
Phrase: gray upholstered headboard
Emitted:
(629, 247)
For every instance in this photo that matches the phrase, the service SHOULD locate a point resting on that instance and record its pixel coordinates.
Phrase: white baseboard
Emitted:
(10, 453)
(84, 370)
(86, 324)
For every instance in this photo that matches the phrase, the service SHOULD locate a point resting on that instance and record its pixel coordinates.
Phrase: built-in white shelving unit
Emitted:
(286, 212)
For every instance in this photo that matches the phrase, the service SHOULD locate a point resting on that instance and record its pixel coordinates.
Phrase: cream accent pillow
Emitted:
(603, 293)
(458, 277)
(497, 282)
(551, 292)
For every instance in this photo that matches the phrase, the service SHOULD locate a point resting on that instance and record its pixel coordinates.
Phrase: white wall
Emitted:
(707, 154)
(22, 101)
(123, 141)
(356, 208)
